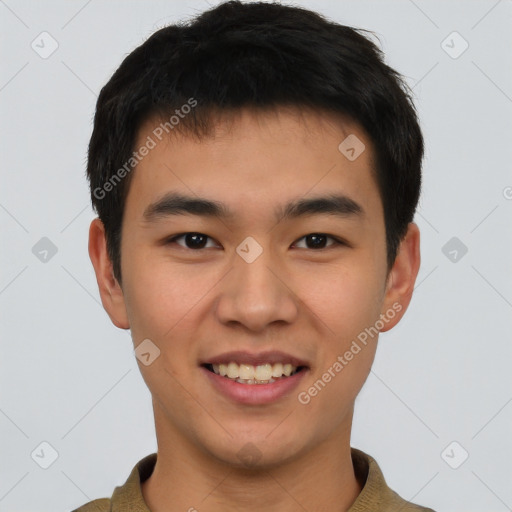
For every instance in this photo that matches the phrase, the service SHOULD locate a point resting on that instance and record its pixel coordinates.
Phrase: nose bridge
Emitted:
(253, 293)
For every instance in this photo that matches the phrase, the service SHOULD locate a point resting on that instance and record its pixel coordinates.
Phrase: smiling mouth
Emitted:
(250, 374)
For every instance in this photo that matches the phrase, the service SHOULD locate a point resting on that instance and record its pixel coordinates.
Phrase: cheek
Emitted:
(345, 299)
(162, 298)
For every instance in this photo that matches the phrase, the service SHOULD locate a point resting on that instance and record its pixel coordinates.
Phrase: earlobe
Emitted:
(111, 293)
(402, 277)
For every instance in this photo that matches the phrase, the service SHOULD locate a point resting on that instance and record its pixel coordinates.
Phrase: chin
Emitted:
(254, 451)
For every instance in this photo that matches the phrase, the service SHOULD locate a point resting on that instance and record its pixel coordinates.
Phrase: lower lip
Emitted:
(255, 394)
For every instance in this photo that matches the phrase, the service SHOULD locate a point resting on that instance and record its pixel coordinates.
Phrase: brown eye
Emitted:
(316, 241)
(193, 240)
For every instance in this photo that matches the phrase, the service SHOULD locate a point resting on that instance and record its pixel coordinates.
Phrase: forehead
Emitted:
(257, 157)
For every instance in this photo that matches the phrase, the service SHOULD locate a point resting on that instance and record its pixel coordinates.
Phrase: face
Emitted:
(261, 246)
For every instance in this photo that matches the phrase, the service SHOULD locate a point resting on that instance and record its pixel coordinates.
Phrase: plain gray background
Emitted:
(69, 377)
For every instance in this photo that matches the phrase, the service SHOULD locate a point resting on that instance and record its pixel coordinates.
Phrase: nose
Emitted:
(256, 295)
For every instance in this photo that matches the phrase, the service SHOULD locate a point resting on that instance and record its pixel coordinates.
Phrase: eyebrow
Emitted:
(178, 204)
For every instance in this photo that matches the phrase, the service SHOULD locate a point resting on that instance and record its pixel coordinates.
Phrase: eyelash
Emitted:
(337, 241)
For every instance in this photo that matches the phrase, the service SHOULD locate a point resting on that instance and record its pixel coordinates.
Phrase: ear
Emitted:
(111, 293)
(401, 278)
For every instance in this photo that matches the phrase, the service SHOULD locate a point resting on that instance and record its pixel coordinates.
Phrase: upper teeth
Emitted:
(248, 371)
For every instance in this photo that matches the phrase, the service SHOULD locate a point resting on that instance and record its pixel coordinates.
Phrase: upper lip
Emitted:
(255, 359)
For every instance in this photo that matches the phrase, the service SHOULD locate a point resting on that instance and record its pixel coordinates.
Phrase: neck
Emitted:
(187, 479)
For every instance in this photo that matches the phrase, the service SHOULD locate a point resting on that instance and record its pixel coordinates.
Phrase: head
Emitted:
(240, 118)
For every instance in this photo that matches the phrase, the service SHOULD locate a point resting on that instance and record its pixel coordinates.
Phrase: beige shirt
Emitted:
(375, 496)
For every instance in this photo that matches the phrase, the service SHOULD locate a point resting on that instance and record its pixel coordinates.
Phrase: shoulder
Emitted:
(127, 494)
(394, 500)
(375, 494)
(99, 505)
